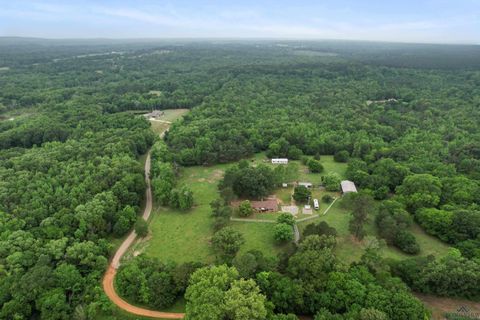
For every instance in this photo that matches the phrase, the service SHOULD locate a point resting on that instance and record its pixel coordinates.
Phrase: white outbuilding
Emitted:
(279, 161)
(348, 186)
(306, 184)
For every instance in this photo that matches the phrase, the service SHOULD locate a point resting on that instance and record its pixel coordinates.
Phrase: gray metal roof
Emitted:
(348, 186)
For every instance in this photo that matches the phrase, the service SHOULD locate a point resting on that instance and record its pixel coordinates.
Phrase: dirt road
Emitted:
(108, 279)
(122, 304)
(146, 214)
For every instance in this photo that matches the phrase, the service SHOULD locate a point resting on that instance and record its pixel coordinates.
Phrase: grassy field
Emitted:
(258, 236)
(159, 127)
(184, 236)
(170, 115)
(173, 114)
(349, 249)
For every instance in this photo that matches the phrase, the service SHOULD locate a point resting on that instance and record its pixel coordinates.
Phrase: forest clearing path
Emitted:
(108, 279)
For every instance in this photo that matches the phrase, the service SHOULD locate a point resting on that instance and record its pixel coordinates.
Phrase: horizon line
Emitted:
(239, 39)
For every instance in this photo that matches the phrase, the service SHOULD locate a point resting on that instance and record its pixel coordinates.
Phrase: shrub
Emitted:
(141, 227)
(327, 198)
(406, 242)
(331, 182)
(315, 166)
(245, 209)
(283, 232)
(226, 243)
(301, 194)
(341, 156)
(286, 218)
(381, 193)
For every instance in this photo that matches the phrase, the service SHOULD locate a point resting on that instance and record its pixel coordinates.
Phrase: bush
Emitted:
(141, 227)
(283, 232)
(301, 194)
(226, 243)
(245, 209)
(305, 160)
(286, 218)
(406, 242)
(332, 182)
(327, 198)
(320, 229)
(315, 166)
(294, 153)
(341, 156)
(381, 193)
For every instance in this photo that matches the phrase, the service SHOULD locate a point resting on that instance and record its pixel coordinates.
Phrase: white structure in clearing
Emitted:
(348, 186)
(279, 161)
(315, 204)
(305, 184)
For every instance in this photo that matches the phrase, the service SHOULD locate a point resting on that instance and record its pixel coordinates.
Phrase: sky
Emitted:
(430, 21)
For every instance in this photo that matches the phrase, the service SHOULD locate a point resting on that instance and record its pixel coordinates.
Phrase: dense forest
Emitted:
(405, 118)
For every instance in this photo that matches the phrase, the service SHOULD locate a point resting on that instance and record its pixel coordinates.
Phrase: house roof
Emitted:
(348, 186)
(269, 204)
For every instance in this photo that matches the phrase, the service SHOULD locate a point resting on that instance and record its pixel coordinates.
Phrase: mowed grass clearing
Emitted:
(258, 236)
(349, 249)
(170, 115)
(185, 236)
(173, 114)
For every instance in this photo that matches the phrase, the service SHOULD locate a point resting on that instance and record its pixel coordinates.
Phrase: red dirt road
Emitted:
(109, 277)
(122, 304)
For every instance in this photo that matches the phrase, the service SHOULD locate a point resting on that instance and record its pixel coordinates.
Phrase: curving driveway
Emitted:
(108, 279)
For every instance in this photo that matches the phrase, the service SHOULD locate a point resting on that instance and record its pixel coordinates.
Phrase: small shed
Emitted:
(279, 161)
(285, 185)
(307, 209)
(305, 184)
(348, 186)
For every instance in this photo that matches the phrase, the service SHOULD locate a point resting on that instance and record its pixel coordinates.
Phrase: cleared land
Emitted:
(170, 115)
(185, 236)
(350, 249)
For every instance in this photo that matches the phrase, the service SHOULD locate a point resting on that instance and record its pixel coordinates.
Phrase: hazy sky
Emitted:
(444, 21)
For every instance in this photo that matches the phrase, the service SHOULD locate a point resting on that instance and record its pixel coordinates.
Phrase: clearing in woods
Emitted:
(170, 116)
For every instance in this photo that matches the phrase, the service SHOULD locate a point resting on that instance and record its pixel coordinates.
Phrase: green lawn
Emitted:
(258, 236)
(158, 127)
(349, 249)
(285, 195)
(173, 114)
(184, 236)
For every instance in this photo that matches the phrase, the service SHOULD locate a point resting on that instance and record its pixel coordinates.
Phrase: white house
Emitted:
(279, 161)
(348, 186)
